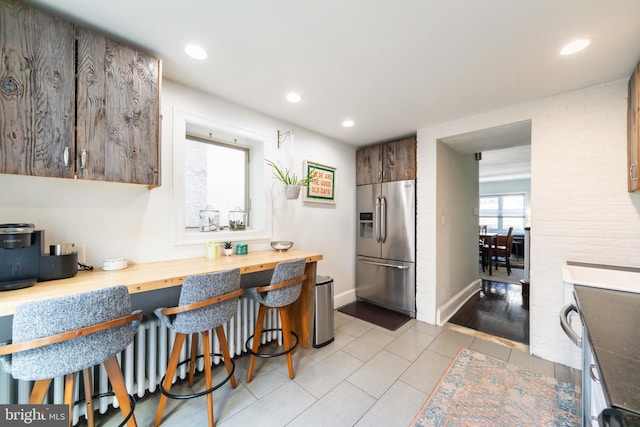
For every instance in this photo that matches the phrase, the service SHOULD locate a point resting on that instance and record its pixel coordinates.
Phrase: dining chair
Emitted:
(501, 252)
(482, 253)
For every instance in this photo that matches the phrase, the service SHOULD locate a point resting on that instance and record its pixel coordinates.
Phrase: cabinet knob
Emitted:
(65, 156)
(633, 171)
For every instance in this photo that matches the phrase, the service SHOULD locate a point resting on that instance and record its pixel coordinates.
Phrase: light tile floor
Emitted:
(369, 376)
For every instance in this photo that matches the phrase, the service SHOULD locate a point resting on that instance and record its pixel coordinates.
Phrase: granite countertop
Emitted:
(612, 319)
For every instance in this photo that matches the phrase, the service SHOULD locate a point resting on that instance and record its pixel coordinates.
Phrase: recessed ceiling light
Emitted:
(575, 46)
(293, 97)
(196, 52)
(348, 123)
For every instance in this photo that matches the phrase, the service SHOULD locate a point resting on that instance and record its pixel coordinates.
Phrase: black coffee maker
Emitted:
(22, 262)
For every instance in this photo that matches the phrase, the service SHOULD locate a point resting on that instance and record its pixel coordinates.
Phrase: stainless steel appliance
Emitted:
(592, 399)
(386, 245)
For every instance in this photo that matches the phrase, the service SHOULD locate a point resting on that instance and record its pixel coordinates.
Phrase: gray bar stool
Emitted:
(284, 290)
(66, 335)
(207, 301)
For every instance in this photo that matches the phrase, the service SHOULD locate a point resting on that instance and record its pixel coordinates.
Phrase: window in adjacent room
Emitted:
(501, 211)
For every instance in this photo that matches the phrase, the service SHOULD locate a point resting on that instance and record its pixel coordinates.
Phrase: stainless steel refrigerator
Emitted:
(386, 245)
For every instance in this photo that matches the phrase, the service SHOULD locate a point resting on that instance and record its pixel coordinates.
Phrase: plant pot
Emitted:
(292, 191)
(228, 252)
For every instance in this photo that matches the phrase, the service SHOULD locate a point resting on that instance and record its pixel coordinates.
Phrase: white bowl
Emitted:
(281, 245)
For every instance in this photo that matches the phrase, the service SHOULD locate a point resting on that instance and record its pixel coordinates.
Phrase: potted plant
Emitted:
(290, 180)
(228, 248)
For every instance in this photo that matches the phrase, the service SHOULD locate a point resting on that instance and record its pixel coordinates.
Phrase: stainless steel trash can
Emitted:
(323, 319)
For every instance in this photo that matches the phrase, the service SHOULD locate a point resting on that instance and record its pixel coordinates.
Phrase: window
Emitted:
(499, 212)
(216, 175)
(219, 165)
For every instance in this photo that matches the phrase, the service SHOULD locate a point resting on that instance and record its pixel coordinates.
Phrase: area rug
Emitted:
(479, 390)
(379, 316)
(501, 275)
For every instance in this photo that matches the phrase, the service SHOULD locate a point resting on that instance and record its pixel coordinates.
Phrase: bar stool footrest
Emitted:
(132, 401)
(269, 355)
(202, 393)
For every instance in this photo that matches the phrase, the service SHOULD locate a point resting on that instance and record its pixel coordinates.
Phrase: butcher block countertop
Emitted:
(150, 276)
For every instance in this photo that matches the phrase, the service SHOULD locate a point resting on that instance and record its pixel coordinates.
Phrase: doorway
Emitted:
(504, 172)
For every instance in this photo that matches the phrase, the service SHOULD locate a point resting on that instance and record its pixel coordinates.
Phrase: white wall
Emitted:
(580, 208)
(132, 221)
(457, 230)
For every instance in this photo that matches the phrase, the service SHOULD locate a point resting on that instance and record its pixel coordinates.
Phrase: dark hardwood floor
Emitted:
(496, 310)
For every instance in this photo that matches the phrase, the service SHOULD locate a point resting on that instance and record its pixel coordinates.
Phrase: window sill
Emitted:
(199, 237)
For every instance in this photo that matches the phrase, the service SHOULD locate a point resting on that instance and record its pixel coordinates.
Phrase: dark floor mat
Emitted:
(379, 316)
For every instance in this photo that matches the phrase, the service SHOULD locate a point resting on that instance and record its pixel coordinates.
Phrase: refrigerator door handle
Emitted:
(384, 264)
(383, 219)
(376, 220)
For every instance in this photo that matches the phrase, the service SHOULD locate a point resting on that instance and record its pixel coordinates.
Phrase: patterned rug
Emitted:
(479, 390)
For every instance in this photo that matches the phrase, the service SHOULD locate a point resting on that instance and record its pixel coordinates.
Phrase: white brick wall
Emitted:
(580, 209)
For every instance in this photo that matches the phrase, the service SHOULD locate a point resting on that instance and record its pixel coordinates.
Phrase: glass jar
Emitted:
(209, 219)
(237, 219)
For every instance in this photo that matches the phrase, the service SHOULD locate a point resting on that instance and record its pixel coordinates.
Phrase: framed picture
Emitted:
(323, 188)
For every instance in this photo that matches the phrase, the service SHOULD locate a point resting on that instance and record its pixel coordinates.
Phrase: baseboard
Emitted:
(448, 309)
(344, 298)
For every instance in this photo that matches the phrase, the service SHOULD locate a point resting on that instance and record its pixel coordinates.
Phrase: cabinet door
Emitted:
(37, 85)
(118, 104)
(399, 160)
(369, 165)
(633, 133)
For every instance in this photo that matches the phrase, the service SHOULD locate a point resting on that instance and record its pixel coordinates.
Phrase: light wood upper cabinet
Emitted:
(118, 111)
(633, 130)
(37, 87)
(391, 161)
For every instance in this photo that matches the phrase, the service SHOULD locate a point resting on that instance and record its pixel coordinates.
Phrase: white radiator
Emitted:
(144, 361)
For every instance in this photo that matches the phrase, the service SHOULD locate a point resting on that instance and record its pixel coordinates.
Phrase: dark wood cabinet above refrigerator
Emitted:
(387, 162)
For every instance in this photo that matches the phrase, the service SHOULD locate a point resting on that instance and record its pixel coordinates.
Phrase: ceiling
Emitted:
(505, 150)
(391, 67)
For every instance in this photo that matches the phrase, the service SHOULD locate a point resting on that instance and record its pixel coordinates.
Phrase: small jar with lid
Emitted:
(209, 219)
(237, 219)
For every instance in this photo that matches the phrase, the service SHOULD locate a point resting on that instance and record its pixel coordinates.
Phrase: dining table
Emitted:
(489, 242)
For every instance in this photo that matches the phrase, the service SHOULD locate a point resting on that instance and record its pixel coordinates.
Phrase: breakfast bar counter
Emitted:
(167, 274)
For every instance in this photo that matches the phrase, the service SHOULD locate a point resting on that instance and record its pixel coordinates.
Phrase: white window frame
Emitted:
(246, 201)
(261, 221)
(500, 211)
